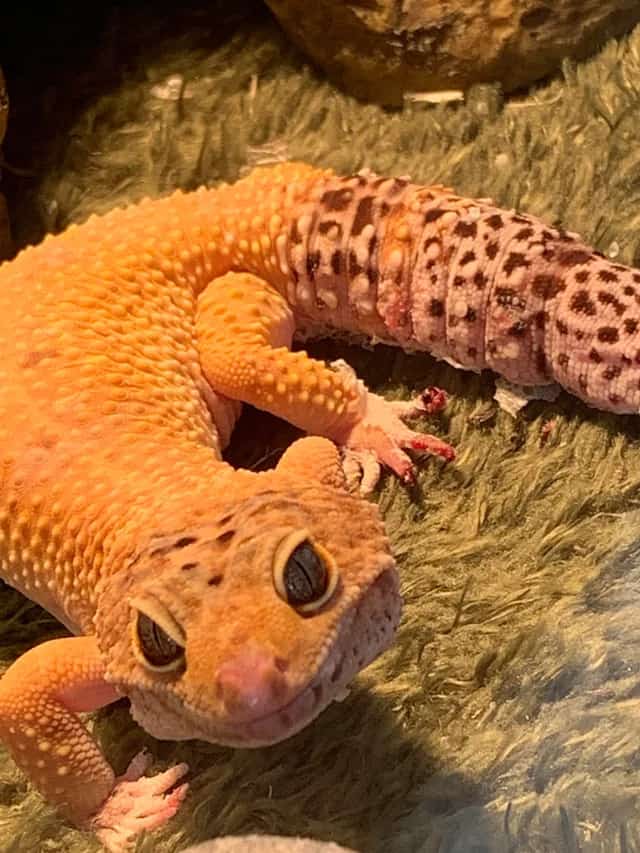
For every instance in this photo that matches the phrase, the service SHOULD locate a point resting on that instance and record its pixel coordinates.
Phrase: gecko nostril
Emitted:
(281, 664)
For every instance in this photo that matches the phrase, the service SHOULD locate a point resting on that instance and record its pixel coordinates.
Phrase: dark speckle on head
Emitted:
(225, 536)
(184, 541)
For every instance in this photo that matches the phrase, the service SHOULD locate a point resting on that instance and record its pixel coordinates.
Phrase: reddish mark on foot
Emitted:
(429, 444)
(434, 400)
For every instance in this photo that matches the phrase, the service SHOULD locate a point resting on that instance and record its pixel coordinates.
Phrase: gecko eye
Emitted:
(305, 575)
(160, 651)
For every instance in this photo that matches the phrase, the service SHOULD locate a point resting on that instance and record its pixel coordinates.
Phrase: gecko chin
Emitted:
(363, 633)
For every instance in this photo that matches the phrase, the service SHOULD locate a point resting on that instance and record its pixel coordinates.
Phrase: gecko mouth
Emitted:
(363, 634)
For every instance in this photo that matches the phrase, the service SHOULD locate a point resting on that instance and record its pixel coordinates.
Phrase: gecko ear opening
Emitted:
(314, 458)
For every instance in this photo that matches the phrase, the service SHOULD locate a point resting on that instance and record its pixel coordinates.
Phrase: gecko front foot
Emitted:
(138, 803)
(381, 438)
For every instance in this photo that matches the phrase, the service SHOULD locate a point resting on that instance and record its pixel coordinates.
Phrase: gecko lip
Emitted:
(363, 634)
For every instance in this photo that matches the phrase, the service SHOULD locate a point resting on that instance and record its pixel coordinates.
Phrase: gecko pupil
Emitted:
(305, 575)
(156, 645)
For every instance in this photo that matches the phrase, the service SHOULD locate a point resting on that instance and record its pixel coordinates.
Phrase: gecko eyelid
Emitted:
(305, 574)
(158, 640)
(159, 651)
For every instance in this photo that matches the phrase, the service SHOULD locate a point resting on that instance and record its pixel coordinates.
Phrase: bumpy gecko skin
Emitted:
(229, 605)
(468, 282)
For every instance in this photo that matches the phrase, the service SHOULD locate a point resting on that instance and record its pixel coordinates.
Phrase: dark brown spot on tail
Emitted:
(525, 234)
(364, 215)
(608, 335)
(466, 229)
(515, 260)
(436, 308)
(433, 215)
(331, 225)
(547, 286)
(491, 249)
(582, 303)
(495, 221)
(612, 372)
(574, 257)
(607, 298)
(337, 199)
(480, 280)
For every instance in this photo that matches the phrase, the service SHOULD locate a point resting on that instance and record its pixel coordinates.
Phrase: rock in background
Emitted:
(381, 50)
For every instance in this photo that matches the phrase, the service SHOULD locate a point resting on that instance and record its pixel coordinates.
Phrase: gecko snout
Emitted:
(251, 684)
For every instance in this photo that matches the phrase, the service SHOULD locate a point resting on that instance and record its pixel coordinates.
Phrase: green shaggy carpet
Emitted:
(506, 715)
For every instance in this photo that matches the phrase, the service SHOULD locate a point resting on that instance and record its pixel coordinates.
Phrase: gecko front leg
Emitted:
(244, 329)
(41, 695)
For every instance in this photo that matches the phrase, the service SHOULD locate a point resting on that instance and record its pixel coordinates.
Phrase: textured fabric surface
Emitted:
(505, 717)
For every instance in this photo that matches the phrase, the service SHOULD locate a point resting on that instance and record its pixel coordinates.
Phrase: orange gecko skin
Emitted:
(127, 344)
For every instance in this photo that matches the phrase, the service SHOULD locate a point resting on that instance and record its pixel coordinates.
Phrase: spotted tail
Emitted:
(468, 282)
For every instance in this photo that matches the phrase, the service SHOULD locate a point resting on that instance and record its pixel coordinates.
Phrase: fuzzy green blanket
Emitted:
(506, 715)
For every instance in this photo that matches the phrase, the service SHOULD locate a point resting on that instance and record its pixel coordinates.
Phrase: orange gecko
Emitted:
(227, 605)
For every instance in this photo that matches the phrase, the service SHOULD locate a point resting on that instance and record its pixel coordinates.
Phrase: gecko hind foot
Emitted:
(138, 803)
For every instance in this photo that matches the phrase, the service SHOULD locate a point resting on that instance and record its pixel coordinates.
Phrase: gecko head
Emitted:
(240, 630)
